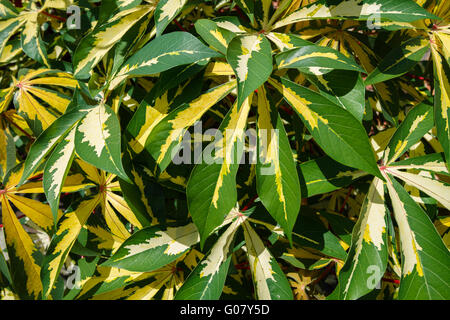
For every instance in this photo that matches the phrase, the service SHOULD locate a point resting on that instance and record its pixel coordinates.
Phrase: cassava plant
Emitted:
(246, 149)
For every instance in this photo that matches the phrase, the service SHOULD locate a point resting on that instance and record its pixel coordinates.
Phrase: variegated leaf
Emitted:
(393, 10)
(218, 38)
(339, 133)
(56, 169)
(165, 12)
(153, 247)
(425, 259)
(164, 140)
(250, 56)
(368, 255)
(276, 185)
(98, 142)
(268, 278)
(211, 190)
(207, 280)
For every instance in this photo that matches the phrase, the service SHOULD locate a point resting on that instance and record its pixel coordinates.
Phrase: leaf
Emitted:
(67, 231)
(316, 60)
(97, 140)
(269, 280)
(277, 184)
(48, 140)
(334, 129)
(324, 175)
(434, 162)
(31, 41)
(392, 10)
(22, 253)
(206, 281)
(97, 43)
(442, 101)
(368, 255)
(164, 140)
(418, 121)
(425, 259)
(153, 247)
(163, 53)
(218, 38)
(165, 12)
(56, 170)
(439, 190)
(211, 190)
(250, 57)
(399, 61)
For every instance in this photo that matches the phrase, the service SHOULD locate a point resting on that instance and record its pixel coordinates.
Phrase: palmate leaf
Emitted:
(250, 57)
(425, 259)
(22, 253)
(98, 142)
(392, 10)
(31, 90)
(367, 258)
(270, 281)
(153, 247)
(333, 128)
(206, 281)
(275, 166)
(211, 190)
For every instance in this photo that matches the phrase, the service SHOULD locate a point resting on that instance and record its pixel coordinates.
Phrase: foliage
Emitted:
(340, 109)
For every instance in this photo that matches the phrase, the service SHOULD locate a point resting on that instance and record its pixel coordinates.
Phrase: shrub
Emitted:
(240, 149)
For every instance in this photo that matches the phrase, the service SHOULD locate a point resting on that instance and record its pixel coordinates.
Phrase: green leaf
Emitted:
(324, 175)
(399, 61)
(268, 278)
(97, 140)
(434, 162)
(250, 56)
(425, 259)
(152, 248)
(339, 133)
(277, 184)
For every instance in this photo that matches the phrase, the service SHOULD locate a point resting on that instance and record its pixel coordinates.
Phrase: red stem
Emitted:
(53, 16)
(249, 203)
